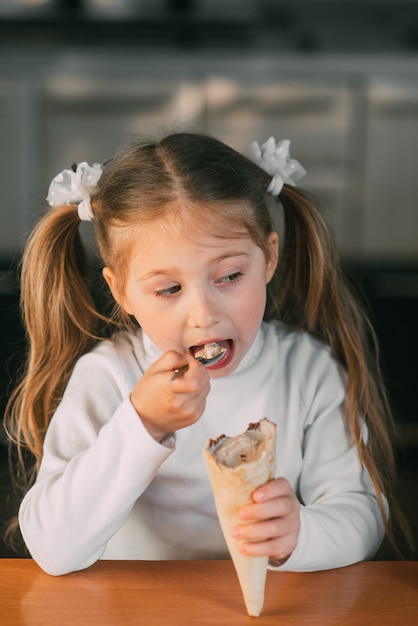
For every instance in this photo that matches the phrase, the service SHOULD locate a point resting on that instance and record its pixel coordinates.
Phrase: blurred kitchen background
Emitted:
(339, 78)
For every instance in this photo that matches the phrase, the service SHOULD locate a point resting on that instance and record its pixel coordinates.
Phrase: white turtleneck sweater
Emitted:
(106, 489)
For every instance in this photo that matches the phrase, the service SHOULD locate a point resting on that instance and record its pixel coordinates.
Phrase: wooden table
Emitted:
(164, 593)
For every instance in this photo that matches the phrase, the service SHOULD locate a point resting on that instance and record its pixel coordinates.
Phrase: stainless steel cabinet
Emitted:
(390, 228)
(353, 125)
(316, 115)
(11, 209)
(88, 118)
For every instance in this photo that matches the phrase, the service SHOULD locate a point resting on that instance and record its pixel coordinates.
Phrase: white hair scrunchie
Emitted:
(274, 158)
(76, 186)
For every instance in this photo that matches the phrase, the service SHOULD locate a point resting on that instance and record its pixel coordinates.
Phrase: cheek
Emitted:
(253, 305)
(158, 321)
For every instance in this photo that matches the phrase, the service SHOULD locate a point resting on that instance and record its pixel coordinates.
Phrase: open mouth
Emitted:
(209, 354)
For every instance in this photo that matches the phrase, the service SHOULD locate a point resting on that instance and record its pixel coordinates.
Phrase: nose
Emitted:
(203, 311)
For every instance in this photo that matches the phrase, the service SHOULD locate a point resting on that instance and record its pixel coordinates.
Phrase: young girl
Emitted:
(117, 426)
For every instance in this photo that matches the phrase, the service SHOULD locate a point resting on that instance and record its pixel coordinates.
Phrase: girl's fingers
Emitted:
(280, 507)
(178, 372)
(274, 538)
(263, 530)
(271, 524)
(276, 488)
(277, 506)
(183, 376)
(169, 362)
(165, 405)
(278, 549)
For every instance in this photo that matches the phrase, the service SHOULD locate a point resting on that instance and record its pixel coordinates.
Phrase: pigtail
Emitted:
(313, 294)
(61, 324)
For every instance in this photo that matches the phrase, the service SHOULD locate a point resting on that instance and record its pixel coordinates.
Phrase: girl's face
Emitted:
(187, 288)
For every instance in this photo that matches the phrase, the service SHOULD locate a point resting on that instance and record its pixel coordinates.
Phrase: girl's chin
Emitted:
(224, 369)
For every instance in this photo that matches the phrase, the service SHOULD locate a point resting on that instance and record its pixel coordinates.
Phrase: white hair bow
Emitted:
(274, 158)
(76, 186)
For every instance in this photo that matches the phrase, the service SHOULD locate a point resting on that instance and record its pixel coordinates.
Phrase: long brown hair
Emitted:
(313, 293)
(142, 182)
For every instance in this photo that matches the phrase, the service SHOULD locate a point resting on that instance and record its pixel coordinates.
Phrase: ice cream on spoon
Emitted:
(210, 353)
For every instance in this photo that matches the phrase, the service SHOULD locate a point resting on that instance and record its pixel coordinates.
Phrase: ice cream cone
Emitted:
(236, 467)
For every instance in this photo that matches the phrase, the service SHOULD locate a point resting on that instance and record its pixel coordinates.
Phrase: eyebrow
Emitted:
(169, 271)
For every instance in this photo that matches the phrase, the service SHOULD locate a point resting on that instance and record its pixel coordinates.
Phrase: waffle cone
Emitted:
(234, 475)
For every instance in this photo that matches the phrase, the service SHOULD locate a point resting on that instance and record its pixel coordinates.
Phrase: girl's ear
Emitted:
(114, 286)
(273, 244)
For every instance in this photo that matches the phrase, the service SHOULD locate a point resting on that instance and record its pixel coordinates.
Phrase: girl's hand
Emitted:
(272, 522)
(165, 404)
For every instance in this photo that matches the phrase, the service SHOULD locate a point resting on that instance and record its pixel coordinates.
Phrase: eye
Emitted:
(230, 278)
(169, 291)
